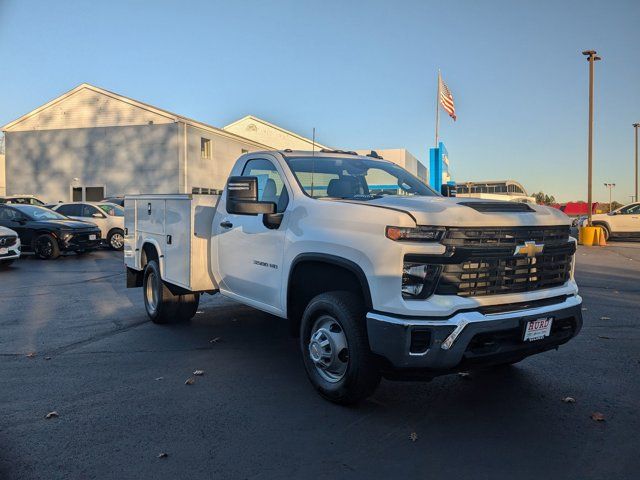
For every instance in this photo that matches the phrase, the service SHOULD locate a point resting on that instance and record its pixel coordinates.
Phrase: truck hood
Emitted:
(449, 212)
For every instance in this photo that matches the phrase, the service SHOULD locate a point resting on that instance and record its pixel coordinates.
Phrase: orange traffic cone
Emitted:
(601, 240)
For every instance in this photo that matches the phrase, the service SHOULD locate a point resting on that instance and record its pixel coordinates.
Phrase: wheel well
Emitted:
(314, 276)
(148, 253)
(113, 230)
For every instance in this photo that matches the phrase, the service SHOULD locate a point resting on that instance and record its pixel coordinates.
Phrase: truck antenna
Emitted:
(313, 160)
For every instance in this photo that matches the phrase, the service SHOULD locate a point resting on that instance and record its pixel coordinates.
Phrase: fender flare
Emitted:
(337, 261)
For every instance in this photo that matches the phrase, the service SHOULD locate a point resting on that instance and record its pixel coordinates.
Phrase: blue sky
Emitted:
(362, 72)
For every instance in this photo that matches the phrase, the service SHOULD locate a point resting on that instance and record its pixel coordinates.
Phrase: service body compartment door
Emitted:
(150, 215)
(177, 251)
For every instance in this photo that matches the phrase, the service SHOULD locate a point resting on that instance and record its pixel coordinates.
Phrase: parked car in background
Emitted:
(623, 222)
(48, 233)
(9, 246)
(21, 199)
(109, 217)
(116, 200)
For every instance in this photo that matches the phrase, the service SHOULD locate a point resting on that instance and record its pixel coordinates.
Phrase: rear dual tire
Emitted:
(161, 305)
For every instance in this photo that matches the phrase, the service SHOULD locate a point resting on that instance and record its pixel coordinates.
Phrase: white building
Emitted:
(495, 190)
(90, 143)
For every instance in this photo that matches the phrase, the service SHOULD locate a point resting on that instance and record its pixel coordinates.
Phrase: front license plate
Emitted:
(92, 237)
(537, 329)
(4, 251)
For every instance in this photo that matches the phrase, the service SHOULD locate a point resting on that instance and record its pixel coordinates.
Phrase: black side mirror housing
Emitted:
(242, 197)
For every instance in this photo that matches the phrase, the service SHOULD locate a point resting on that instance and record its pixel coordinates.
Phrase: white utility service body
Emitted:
(375, 270)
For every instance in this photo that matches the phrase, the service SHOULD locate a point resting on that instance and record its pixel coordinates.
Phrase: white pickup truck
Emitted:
(378, 274)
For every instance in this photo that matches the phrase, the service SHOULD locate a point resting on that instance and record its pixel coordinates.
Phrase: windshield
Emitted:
(39, 213)
(112, 210)
(355, 179)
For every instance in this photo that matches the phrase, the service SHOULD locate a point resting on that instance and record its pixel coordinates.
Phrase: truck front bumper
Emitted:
(469, 339)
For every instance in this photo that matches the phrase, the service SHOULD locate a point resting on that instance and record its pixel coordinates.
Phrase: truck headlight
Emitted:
(419, 280)
(417, 234)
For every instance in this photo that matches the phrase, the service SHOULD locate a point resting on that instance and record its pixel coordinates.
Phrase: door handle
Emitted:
(226, 224)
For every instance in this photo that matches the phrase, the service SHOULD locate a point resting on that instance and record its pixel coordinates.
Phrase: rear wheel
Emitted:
(46, 247)
(335, 348)
(115, 239)
(163, 306)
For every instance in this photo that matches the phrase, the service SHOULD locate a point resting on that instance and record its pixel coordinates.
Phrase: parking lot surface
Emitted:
(76, 341)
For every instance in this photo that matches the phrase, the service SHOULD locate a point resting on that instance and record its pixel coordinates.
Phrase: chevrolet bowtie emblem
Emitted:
(530, 249)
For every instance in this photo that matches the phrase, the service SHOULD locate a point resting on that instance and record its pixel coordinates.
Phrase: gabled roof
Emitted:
(145, 106)
(276, 127)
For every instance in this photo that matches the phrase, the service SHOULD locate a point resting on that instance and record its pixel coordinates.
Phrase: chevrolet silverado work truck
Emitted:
(378, 275)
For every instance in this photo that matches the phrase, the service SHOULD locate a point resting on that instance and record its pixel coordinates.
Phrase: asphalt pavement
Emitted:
(76, 342)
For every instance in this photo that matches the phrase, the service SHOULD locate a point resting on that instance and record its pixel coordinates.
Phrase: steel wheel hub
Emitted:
(150, 293)
(328, 349)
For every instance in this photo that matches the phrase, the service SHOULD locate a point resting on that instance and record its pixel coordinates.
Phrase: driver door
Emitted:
(250, 252)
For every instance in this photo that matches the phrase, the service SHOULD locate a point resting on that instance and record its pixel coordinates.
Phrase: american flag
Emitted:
(446, 100)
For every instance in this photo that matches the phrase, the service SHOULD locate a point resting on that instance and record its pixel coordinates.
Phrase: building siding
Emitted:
(126, 160)
(89, 108)
(267, 134)
(212, 172)
(3, 190)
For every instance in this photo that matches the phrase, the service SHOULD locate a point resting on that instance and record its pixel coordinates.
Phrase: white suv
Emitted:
(623, 222)
(109, 217)
(9, 246)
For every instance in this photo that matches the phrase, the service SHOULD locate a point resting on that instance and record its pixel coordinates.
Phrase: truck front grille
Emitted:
(480, 276)
(505, 236)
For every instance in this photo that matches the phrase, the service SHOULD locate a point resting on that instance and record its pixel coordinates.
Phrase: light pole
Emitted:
(635, 177)
(610, 186)
(591, 58)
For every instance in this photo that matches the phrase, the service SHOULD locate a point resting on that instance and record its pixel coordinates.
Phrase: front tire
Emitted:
(6, 263)
(163, 306)
(335, 348)
(46, 247)
(115, 239)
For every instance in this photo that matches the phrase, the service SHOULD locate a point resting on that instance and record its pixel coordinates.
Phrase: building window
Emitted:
(205, 148)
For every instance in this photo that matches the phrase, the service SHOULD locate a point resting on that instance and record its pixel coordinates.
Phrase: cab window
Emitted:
(270, 184)
(90, 210)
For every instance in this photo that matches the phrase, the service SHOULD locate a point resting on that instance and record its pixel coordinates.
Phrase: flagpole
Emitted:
(437, 109)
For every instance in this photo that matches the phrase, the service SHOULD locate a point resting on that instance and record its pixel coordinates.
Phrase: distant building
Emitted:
(3, 190)
(495, 190)
(264, 132)
(90, 143)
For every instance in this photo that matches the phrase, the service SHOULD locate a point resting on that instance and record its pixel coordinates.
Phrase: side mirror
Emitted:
(242, 197)
(448, 190)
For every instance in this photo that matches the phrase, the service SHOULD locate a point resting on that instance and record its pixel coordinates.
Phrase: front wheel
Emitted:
(46, 247)
(335, 348)
(115, 239)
